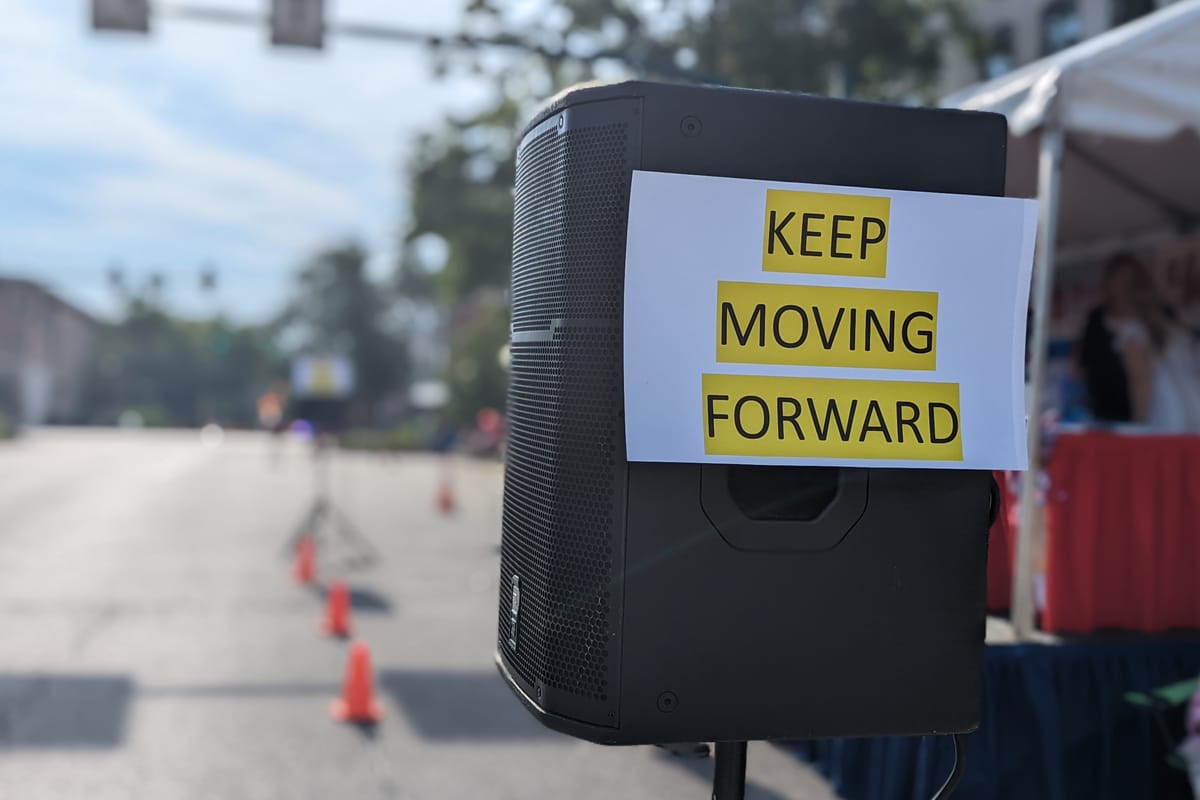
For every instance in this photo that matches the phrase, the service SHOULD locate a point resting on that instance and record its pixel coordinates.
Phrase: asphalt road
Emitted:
(154, 645)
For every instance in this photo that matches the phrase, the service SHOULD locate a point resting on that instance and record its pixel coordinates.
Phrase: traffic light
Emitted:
(208, 279)
(298, 23)
(121, 15)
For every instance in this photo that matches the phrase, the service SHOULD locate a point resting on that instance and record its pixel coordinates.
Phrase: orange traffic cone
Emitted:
(306, 560)
(337, 610)
(357, 703)
(445, 497)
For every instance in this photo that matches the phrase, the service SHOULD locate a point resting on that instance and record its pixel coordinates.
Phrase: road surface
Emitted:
(154, 645)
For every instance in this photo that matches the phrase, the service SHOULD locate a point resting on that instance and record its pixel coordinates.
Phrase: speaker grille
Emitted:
(566, 442)
(576, 274)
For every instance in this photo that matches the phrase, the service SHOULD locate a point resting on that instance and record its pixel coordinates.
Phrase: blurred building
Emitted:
(45, 349)
(1017, 32)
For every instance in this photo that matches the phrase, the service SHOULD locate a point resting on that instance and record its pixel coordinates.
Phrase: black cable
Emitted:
(960, 764)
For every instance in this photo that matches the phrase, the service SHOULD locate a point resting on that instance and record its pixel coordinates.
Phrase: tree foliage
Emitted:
(179, 372)
(461, 181)
(475, 376)
(336, 309)
(182, 372)
(889, 49)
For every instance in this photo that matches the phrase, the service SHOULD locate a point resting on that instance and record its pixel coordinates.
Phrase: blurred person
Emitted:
(1101, 362)
(1160, 360)
(270, 407)
(270, 411)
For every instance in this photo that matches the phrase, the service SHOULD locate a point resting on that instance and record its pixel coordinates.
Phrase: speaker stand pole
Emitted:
(729, 772)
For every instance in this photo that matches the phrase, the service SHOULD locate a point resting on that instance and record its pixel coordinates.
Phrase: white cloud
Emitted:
(58, 111)
(200, 133)
(367, 95)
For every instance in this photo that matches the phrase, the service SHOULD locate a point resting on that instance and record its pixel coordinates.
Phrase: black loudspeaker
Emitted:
(648, 603)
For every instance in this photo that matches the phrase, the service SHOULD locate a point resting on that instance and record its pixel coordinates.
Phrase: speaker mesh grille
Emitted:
(565, 429)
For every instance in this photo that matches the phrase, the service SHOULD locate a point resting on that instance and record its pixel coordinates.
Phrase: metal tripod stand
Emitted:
(324, 516)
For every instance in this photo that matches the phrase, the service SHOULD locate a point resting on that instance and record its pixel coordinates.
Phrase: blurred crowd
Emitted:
(1140, 365)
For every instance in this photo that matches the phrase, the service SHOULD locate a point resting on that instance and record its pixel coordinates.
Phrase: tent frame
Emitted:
(1050, 161)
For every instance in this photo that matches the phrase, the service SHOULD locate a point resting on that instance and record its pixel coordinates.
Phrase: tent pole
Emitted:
(1049, 181)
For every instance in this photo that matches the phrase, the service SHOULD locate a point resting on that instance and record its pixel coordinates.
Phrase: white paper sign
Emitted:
(330, 377)
(786, 323)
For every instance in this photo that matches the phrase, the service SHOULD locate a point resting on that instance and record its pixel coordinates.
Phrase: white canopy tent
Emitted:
(1106, 135)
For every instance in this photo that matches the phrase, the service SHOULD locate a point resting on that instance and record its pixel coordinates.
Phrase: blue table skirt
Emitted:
(1055, 727)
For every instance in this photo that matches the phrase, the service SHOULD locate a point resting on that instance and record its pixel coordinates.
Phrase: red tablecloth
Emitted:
(1123, 533)
(1001, 547)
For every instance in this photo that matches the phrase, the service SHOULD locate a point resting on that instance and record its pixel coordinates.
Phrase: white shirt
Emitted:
(1175, 379)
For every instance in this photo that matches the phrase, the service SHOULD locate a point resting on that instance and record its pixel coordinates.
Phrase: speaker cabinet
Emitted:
(644, 603)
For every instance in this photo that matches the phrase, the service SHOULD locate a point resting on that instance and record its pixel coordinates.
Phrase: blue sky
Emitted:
(201, 144)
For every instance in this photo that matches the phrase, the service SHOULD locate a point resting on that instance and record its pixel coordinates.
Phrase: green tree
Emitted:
(461, 179)
(337, 309)
(475, 376)
(871, 49)
(236, 364)
(178, 372)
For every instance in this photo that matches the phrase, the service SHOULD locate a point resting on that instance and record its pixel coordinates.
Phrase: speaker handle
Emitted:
(743, 532)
